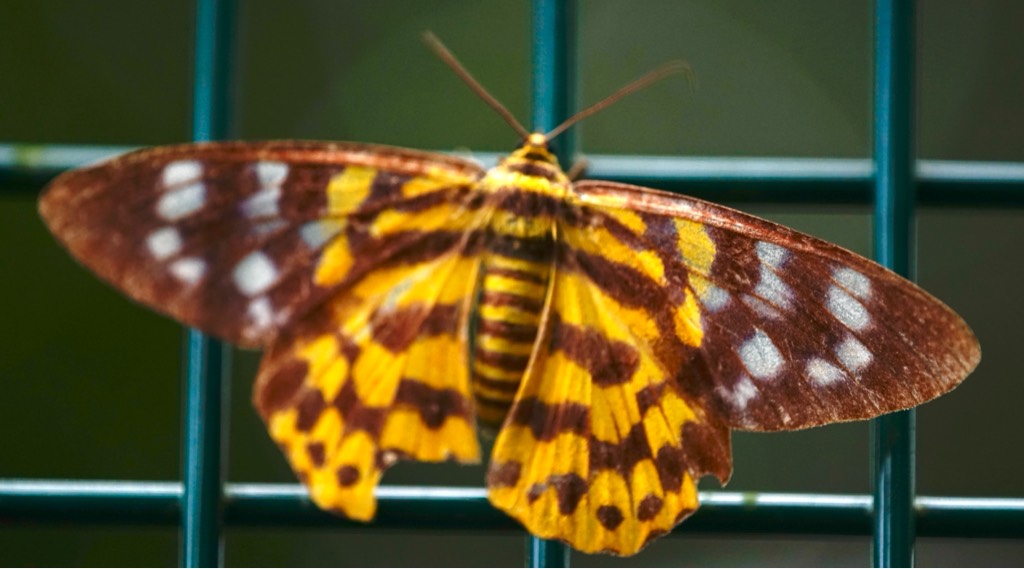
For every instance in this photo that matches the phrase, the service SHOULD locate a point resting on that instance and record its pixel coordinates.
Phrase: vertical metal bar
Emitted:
(202, 515)
(546, 553)
(554, 98)
(213, 72)
(207, 359)
(893, 435)
(554, 70)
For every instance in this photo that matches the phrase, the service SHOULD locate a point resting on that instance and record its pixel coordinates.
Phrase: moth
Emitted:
(613, 335)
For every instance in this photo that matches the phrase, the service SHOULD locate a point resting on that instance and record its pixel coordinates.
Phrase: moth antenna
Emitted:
(446, 56)
(647, 80)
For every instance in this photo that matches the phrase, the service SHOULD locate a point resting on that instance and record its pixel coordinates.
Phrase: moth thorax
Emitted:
(513, 287)
(527, 171)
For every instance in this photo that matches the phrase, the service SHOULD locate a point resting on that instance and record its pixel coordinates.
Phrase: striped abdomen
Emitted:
(528, 188)
(514, 283)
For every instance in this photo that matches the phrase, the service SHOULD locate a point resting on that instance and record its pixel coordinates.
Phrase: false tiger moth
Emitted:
(614, 335)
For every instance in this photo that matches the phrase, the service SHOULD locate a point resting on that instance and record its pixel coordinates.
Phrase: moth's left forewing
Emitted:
(225, 236)
(796, 332)
(353, 264)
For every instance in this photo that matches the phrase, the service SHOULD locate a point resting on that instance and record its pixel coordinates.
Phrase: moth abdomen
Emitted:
(510, 304)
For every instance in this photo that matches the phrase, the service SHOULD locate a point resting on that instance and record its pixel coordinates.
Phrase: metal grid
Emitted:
(202, 503)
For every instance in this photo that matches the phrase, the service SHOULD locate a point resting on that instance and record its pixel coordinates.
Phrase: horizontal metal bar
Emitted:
(32, 166)
(93, 502)
(759, 180)
(813, 180)
(467, 509)
(55, 156)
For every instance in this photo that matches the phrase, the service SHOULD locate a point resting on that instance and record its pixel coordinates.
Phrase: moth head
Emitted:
(535, 149)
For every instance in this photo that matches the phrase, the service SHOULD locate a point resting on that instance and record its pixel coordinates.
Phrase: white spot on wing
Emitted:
(822, 372)
(853, 281)
(164, 243)
(761, 308)
(317, 233)
(742, 393)
(181, 172)
(847, 309)
(255, 273)
(771, 288)
(181, 202)
(771, 254)
(188, 269)
(714, 298)
(263, 203)
(271, 173)
(389, 457)
(261, 314)
(760, 356)
(267, 227)
(853, 354)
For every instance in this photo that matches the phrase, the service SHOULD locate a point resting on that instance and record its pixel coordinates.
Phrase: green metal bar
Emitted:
(97, 502)
(130, 503)
(546, 553)
(554, 71)
(893, 435)
(214, 69)
(847, 181)
(204, 450)
(554, 98)
(207, 359)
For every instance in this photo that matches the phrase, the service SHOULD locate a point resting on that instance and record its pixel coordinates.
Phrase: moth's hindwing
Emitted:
(606, 441)
(380, 374)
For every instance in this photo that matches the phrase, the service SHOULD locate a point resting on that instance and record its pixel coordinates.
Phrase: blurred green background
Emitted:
(92, 381)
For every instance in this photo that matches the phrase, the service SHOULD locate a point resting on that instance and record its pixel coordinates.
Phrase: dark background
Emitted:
(91, 381)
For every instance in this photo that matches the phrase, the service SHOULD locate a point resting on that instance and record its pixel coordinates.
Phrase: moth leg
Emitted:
(578, 169)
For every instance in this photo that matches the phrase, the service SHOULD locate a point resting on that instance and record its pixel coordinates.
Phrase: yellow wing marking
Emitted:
(337, 259)
(350, 189)
(335, 262)
(444, 216)
(630, 219)
(434, 180)
(601, 242)
(698, 252)
(696, 249)
(347, 190)
(687, 320)
(624, 324)
(323, 356)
